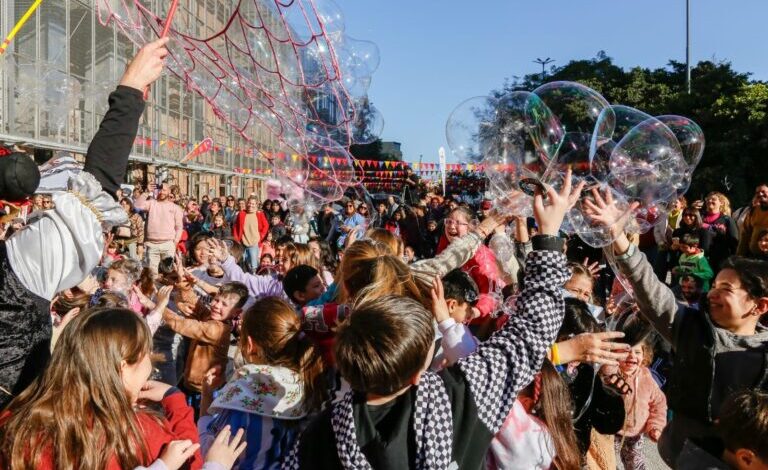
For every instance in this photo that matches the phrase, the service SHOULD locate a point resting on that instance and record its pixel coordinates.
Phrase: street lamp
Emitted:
(688, 46)
(543, 63)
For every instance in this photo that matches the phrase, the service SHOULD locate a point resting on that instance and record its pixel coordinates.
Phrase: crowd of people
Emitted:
(155, 330)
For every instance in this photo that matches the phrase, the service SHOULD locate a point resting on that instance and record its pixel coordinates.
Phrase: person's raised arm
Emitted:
(507, 362)
(656, 301)
(107, 157)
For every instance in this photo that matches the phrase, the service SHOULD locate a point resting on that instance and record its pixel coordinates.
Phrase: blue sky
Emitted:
(435, 54)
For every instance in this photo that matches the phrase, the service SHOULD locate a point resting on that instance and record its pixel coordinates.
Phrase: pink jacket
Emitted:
(645, 405)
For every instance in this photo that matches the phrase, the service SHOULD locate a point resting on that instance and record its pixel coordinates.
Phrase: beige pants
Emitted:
(154, 252)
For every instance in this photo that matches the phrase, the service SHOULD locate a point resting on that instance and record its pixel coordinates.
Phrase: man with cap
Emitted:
(59, 247)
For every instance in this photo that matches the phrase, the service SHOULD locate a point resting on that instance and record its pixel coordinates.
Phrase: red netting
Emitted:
(281, 66)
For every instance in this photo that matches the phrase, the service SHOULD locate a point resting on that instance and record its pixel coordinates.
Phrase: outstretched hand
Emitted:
(595, 348)
(605, 211)
(439, 305)
(146, 66)
(550, 216)
(218, 250)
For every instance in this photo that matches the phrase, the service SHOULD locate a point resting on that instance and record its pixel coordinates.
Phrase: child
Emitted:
(302, 284)
(220, 229)
(383, 349)
(210, 335)
(121, 277)
(645, 405)
(743, 437)
(692, 261)
(278, 228)
(274, 392)
(762, 245)
(721, 342)
(266, 261)
(97, 375)
(112, 254)
(461, 294)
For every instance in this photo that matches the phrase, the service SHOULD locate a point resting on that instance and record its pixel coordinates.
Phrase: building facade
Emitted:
(57, 74)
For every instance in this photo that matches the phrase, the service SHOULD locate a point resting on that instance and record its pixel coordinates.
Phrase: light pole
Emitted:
(543, 63)
(688, 46)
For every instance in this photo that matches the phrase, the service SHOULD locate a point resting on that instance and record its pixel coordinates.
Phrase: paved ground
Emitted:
(652, 459)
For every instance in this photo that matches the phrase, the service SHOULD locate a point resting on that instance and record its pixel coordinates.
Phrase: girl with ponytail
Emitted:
(272, 395)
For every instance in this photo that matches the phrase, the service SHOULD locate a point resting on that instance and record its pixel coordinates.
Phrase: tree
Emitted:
(730, 108)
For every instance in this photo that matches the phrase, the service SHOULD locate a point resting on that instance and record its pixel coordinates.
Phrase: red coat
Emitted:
(482, 268)
(178, 425)
(238, 227)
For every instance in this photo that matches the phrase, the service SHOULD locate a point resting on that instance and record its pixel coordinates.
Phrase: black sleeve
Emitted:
(107, 157)
(607, 410)
(316, 447)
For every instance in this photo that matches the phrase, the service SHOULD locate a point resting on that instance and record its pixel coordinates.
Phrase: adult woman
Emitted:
(250, 229)
(214, 209)
(135, 243)
(721, 228)
(230, 210)
(690, 224)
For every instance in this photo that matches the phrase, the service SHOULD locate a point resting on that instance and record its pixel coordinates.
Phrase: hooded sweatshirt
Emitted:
(709, 362)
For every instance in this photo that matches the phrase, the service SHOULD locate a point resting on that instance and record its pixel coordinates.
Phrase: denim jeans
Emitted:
(252, 257)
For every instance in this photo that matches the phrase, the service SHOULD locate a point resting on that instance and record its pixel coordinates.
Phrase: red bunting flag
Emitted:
(204, 146)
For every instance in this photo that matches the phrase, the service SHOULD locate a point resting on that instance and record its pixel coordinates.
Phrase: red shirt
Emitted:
(482, 268)
(319, 323)
(179, 424)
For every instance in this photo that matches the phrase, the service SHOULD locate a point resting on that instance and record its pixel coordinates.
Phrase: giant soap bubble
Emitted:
(526, 139)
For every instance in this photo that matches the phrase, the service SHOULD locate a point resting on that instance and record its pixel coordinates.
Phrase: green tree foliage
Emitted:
(730, 108)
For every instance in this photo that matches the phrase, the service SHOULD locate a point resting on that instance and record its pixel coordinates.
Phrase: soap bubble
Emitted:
(647, 164)
(689, 135)
(471, 127)
(576, 109)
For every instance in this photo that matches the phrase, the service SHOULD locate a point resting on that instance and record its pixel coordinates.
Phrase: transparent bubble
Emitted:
(594, 235)
(576, 108)
(472, 128)
(330, 16)
(647, 164)
(689, 135)
(368, 123)
(358, 58)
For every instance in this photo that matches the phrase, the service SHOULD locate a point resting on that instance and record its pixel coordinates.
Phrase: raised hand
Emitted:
(593, 268)
(439, 305)
(146, 66)
(596, 348)
(218, 250)
(164, 296)
(605, 211)
(550, 216)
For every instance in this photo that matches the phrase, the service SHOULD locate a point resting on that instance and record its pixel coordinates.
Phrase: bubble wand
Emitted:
(166, 29)
(18, 26)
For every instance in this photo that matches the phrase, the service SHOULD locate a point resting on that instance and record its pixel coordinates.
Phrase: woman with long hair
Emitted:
(690, 224)
(272, 395)
(721, 228)
(135, 243)
(83, 412)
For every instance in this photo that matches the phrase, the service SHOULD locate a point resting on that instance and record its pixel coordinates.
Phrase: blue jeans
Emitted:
(252, 257)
